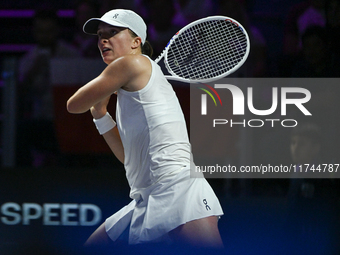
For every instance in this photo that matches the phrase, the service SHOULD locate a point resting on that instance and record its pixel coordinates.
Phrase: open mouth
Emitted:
(105, 50)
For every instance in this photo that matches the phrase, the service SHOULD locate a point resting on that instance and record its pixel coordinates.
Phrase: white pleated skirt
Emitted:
(167, 204)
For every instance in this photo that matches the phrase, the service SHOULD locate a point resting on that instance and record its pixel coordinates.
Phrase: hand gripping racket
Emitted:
(206, 50)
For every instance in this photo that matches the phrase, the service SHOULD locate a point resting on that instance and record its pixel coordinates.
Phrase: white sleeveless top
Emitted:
(153, 132)
(157, 163)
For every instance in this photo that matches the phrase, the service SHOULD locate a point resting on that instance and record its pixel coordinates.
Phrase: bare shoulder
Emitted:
(136, 68)
(132, 63)
(138, 59)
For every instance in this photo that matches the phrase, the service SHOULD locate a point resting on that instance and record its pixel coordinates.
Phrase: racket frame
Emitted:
(175, 77)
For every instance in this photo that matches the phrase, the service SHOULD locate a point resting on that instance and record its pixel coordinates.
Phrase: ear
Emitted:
(137, 41)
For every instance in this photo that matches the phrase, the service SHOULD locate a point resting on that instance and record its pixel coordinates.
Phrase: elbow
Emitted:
(71, 107)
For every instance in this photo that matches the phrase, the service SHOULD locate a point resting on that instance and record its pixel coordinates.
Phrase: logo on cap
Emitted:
(115, 16)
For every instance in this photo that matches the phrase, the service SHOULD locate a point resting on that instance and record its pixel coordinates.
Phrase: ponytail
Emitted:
(147, 49)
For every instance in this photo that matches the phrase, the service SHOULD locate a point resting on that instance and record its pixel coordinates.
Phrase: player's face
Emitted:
(113, 42)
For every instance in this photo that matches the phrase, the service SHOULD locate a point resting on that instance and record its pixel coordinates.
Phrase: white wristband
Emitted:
(105, 123)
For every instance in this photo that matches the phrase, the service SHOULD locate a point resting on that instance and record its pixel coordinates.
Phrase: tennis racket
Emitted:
(206, 50)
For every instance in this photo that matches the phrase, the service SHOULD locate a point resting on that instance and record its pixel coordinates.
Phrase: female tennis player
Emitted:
(150, 138)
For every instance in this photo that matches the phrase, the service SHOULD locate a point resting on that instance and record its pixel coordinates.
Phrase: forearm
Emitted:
(120, 73)
(85, 97)
(112, 138)
(107, 127)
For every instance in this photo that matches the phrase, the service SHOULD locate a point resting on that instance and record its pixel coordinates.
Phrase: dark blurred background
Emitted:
(51, 158)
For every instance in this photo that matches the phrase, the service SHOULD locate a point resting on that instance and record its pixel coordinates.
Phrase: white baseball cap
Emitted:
(118, 18)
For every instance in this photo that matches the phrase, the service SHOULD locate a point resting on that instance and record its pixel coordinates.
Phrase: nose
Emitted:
(102, 41)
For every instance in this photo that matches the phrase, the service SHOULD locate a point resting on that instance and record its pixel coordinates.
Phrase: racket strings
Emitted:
(207, 50)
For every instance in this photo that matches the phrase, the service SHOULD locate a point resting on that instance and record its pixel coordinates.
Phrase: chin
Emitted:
(107, 60)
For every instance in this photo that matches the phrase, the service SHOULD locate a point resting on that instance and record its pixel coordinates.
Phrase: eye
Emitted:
(113, 31)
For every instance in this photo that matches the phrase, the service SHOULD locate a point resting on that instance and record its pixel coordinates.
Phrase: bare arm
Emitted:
(131, 73)
(111, 137)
